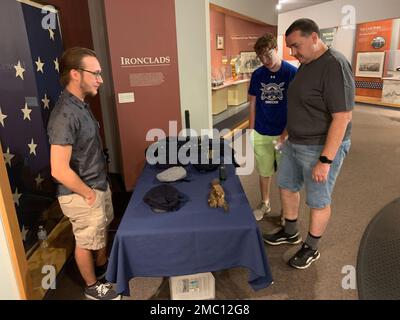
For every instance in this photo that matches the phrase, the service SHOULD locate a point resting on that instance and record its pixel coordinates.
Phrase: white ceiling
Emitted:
(289, 5)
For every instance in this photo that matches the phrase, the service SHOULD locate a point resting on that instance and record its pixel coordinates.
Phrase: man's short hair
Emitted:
(72, 59)
(264, 43)
(305, 26)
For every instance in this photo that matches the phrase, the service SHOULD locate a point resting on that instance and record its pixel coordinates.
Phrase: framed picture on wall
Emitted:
(220, 42)
(249, 61)
(370, 64)
(328, 36)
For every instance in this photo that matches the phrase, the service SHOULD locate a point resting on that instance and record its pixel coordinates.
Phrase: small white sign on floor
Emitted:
(199, 286)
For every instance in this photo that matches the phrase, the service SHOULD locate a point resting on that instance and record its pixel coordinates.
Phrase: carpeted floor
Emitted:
(369, 180)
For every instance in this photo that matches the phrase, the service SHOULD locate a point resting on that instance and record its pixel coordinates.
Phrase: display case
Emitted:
(229, 92)
(392, 64)
(219, 99)
(237, 92)
(391, 78)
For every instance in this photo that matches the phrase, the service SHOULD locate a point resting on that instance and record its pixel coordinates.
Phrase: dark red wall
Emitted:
(139, 29)
(247, 30)
(217, 27)
(239, 35)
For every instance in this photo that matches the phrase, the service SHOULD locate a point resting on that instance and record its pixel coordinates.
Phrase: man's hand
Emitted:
(60, 157)
(282, 138)
(320, 172)
(90, 197)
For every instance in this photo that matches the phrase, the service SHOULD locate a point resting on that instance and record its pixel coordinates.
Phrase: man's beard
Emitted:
(86, 91)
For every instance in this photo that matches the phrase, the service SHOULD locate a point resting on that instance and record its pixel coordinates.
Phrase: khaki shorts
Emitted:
(89, 223)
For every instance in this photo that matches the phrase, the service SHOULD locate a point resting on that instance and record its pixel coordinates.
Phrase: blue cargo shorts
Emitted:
(295, 170)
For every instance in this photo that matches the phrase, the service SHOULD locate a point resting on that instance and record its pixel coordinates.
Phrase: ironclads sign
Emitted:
(145, 61)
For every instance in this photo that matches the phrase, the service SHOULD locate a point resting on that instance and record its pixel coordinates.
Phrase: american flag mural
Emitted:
(29, 87)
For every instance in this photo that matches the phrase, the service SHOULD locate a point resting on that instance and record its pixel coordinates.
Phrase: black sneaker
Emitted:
(281, 237)
(101, 271)
(101, 291)
(304, 257)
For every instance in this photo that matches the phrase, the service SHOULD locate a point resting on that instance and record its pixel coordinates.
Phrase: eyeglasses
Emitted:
(266, 56)
(97, 75)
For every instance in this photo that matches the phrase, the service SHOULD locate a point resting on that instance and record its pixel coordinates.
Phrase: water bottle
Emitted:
(42, 236)
(222, 172)
(277, 145)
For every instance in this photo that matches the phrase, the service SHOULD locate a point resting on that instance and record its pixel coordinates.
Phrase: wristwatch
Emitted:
(324, 159)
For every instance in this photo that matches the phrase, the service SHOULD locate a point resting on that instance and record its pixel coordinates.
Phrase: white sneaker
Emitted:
(261, 210)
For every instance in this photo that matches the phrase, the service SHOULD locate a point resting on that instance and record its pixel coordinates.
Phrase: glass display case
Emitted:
(391, 78)
(392, 64)
(229, 92)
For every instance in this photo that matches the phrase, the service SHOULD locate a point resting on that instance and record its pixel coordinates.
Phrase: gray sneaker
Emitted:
(101, 291)
(261, 210)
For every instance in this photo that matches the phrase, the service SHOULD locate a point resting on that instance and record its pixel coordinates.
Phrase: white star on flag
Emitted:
(51, 34)
(27, 112)
(46, 102)
(2, 117)
(16, 196)
(39, 65)
(32, 147)
(39, 180)
(56, 65)
(8, 156)
(19, 71)
(24, 232)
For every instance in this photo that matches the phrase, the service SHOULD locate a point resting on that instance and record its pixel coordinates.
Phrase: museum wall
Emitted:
(143, 53)
(336, 12)
(256, 9)
(239, 35)
(357, 24)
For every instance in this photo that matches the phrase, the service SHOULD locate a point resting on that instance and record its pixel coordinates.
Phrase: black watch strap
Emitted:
(324, 159)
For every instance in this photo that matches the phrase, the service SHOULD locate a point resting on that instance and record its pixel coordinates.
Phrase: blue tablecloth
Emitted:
(194, 239)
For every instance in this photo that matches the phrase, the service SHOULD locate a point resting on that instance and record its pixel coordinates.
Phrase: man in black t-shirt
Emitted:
(320, 100)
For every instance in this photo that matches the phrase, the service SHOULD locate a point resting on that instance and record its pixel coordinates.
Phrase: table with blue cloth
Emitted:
(193, 239)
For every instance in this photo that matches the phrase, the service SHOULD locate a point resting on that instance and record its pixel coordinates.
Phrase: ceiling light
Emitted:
(278, 6)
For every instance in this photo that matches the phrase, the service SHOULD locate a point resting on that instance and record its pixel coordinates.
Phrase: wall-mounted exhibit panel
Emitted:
(144, 63)
(373, 41)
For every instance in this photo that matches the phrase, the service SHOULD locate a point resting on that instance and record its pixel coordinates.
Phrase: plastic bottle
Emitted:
(222, 172)
(42, 236)
(277, 145)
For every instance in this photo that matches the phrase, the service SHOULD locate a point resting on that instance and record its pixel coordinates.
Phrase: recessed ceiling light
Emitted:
(278, 6)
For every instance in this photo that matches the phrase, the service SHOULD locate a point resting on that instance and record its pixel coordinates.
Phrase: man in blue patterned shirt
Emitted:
(79, 167)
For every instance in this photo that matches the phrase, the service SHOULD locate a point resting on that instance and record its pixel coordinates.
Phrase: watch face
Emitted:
(324, 159)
